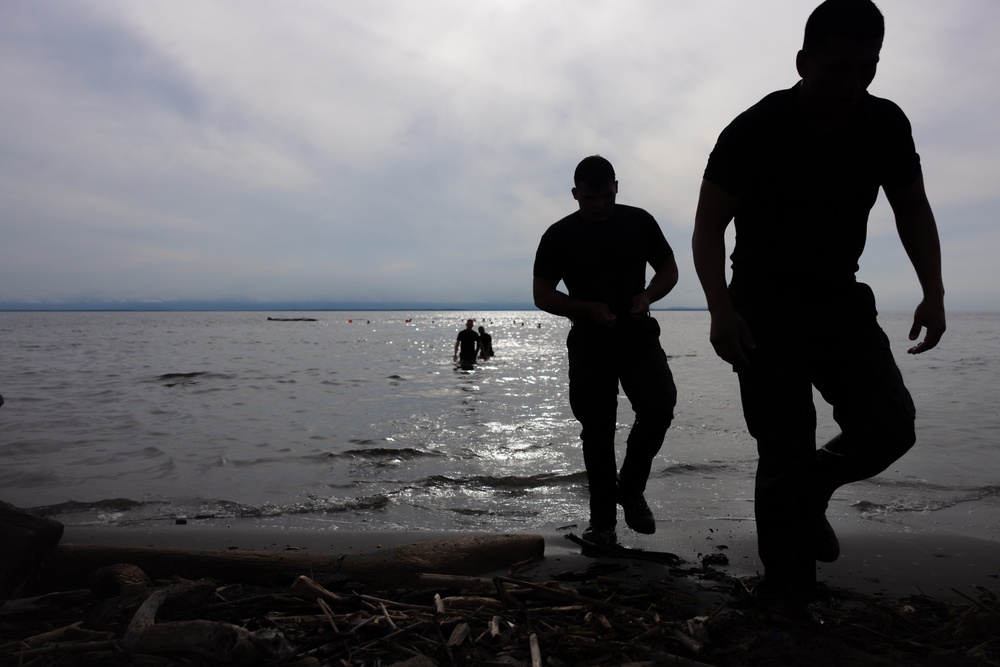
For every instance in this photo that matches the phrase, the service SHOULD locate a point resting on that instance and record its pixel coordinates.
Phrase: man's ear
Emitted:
(574, 194)
(616, 187)
(802, 63)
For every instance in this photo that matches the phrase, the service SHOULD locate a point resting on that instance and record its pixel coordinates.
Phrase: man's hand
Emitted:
(600, 313)
(640, 306)
(929, 316)
(730, 335)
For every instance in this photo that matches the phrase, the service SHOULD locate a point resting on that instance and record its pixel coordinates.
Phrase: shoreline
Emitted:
(891, 560)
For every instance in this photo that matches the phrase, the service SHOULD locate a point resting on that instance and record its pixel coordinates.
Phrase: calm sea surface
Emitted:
(361, 420)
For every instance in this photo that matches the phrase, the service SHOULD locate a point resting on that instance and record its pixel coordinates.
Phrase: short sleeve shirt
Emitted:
(804, 194)
(603, 261)
(468, 339)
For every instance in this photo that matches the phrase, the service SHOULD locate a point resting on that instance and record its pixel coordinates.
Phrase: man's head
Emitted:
(469, 324)
(595, 188)
(840, 54)
(482, 330)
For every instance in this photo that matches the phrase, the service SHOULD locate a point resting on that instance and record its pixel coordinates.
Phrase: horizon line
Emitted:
(259, 306)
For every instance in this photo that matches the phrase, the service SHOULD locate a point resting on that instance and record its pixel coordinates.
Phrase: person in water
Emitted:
(467, 345)
(485, 344)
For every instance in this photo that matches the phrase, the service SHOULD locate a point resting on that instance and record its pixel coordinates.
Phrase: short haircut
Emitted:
(854, 20)
(593, 172)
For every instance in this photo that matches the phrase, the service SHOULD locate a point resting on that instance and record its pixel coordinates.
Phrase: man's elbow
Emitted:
(542, 296)
(673, 274)
(543, 302)
(668, 273)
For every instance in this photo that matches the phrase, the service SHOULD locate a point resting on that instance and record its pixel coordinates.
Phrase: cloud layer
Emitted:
(392, 150)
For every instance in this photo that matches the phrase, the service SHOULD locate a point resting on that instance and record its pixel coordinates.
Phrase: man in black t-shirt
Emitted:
(468, 341)
(600, 253)
(800, 171)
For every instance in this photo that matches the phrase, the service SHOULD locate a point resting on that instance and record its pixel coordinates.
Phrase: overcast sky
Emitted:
(402, 150)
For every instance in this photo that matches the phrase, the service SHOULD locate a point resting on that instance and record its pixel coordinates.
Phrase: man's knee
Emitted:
(655, 409)
(654, 422)
(597, 434)
(901, 439)
(894, 435)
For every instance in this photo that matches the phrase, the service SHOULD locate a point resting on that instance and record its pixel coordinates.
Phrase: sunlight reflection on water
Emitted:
(371, 423)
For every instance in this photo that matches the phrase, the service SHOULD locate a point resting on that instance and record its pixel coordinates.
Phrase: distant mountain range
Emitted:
(241, 305)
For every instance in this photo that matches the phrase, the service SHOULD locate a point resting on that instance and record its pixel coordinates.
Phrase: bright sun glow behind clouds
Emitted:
(416, 151)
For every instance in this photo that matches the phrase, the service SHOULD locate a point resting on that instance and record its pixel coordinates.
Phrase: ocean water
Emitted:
(362, 421)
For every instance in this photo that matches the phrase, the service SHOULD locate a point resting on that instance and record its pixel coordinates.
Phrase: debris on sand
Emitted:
(575, 618)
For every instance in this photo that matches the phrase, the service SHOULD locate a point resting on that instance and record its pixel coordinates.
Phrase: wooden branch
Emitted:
(391, 568)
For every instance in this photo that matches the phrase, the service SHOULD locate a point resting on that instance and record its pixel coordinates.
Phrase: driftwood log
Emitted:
(26, 540)
(391, 568)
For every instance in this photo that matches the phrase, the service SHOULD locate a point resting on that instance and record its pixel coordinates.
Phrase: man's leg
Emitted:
(649, 385)
(593, 397)
(778, 406)
(870, 404)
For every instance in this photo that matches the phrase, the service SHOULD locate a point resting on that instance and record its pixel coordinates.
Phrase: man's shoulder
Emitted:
(883, 109)
(632, 211)
(562, 224)
(772, 108)
(633, 216)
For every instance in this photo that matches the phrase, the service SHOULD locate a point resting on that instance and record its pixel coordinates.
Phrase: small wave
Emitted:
(75, 507)
(324, 505)
(116, 506)
(923, 503)
(188, 379)
(376, 502)
(388, 452)
(883, 511)
(183, 379)
(125, 511)
(703, 468)
(507, 482)
(909, 483)
(503, 514)
(180, 376)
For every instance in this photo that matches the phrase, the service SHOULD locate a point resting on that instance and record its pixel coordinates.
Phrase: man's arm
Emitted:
(664, 279)
(729, 333)
(455, 356)
(551, 300)
(918, 233)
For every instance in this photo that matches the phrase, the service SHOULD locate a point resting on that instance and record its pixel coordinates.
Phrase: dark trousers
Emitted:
(598, 361)
(845, 355)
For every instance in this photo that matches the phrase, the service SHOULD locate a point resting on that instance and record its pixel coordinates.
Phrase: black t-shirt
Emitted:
(804, 194)
(603, 261)
(468, 339)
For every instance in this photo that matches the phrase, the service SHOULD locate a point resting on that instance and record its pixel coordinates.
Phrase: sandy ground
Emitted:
(876, 559)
